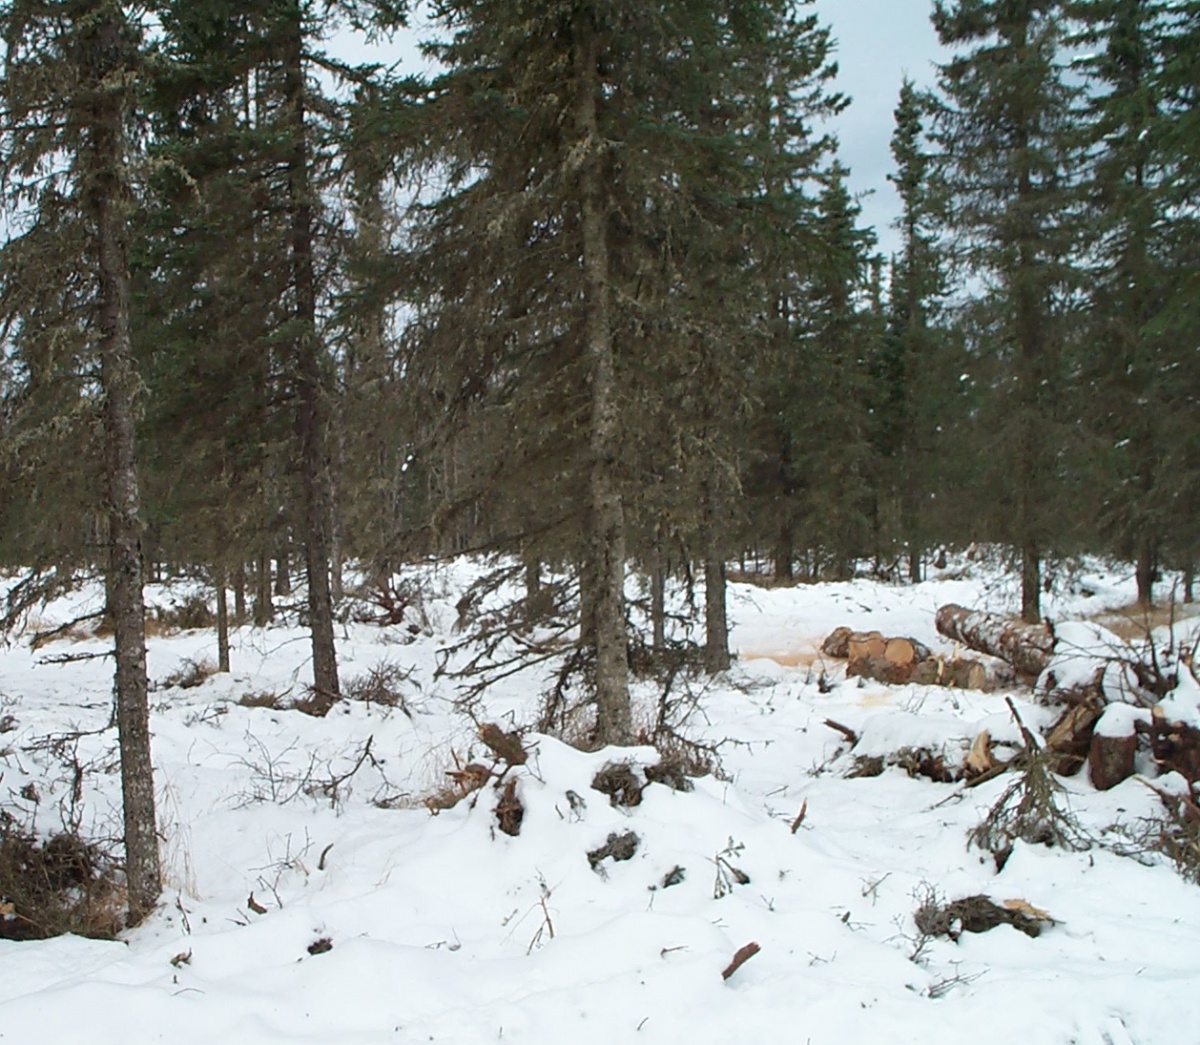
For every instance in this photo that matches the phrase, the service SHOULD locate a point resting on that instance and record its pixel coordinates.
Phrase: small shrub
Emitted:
(383, 685)
(1175, 835)
(64, 884)
(190, 674)
(263, 699)
(1178, 838)
(189, 615)
(1033, 809)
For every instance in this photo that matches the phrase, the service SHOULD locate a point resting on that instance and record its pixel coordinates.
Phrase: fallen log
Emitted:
(1027, 647)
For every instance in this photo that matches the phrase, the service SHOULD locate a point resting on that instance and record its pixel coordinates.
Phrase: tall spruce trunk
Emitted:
(109, 204)
(784, 554)
(606, 516)
(1030, 321)
(239, 592)
(716, 620)
(222, 620)
(264, 609)
(313, 406)
(658, 596)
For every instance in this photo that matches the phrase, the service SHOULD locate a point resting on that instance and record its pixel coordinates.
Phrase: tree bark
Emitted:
(313, 407)
(239, 592)
(606, 516)
(264, 610)
(785, 553)
(222, 621)
(283, 571)
(109, 204)
(1145, 568)
(716, 621)
(1027, 647)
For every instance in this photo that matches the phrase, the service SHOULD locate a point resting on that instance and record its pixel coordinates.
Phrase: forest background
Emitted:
(593, 296)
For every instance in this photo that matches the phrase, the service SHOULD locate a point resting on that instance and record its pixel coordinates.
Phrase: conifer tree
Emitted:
(1132, 375)
(580, 266)
(69, 68)
(908, 364)
(1003, 128)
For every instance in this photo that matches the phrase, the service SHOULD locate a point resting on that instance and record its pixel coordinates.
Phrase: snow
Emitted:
(1120, 720)
(444, 929)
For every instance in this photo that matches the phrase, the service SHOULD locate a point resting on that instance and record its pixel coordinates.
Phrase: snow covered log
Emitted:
(1027, 647)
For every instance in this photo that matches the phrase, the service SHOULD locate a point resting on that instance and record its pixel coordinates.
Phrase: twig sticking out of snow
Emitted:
(741, 956)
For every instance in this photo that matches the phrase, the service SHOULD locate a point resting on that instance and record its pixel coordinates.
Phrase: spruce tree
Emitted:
(69, 68)
(1131, 376)
(909, 364)
(588, 239)
(1003, 127)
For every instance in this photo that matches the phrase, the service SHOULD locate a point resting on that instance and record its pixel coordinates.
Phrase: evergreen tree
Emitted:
(1131, 377)
(249, 122)
(827, 413)
(1003, 127)
(589, 237)
(68, 73)
(908, 414)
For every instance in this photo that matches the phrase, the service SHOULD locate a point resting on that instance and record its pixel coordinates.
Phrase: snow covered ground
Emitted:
(441, 928)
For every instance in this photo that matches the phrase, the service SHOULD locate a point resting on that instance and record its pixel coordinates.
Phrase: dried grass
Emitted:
(64, 884)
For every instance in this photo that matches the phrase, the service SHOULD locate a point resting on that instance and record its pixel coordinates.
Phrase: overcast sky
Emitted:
(878, 42)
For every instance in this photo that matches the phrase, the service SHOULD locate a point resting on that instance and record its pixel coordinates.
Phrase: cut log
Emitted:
(870, 645)
(880, 669)
(1110, 760)
(1027, 647)
(837, 644)
(979, 759)
(960, 673)
(1070, 738)
(1175, 747)
(900, 651)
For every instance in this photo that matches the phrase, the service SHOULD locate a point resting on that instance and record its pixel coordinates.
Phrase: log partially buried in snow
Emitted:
(1027, 647)
(1114, 744)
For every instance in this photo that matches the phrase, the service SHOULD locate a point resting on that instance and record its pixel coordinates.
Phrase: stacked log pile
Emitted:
(898, 659)
(1096, 729)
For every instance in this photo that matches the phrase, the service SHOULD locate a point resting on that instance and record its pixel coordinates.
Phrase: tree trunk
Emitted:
(1027, 647)
(313, 407)
(239, 592)
(1145, 569)
(1031, 584)
(264, 610)
(337, 587)
(1189, 582)
(283, 571)
(914, 563)
(785, 552)
(109, 206)
(606, 516)
(716, 625)
(222, 621)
